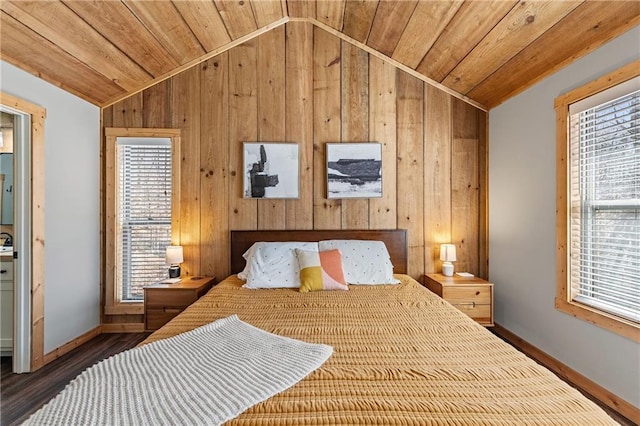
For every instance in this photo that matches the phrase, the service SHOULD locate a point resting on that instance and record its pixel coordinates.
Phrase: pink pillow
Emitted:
(321, 270)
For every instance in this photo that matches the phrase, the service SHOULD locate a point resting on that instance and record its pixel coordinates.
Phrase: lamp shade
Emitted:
(174, 255)
(448, 252)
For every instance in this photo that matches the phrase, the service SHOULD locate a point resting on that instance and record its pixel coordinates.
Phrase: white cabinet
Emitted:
(6, 306)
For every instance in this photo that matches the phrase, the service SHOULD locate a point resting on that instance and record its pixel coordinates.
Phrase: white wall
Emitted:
(72, 206)
(522, 201)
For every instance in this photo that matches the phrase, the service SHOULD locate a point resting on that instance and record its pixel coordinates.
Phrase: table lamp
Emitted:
(174, 258)
(447, 255)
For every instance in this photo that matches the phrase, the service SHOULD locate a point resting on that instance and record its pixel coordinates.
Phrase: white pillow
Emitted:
(274, 264)
(363, 261)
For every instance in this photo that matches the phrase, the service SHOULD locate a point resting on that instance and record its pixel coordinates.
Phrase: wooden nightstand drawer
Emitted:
(156, 318)
(480, 295)
(471, 295)
(480, 313)
(160, 298)
(163, 302)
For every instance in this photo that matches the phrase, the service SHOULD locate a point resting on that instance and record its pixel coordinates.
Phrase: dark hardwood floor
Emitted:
(22, 394)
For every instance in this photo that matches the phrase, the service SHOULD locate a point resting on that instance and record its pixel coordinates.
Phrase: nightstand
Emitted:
(471, 295)
(162, 302)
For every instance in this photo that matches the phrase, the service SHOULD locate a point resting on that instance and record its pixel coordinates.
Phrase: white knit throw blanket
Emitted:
(202, 377)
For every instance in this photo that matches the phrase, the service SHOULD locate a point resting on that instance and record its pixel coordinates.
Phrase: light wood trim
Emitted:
(196, 61)
(71, 345)
(112, 305)
(568, 374)
(483, 182)
(391, 61)
(37, 238)
(38, 115)
(604, 82)
(132, 308)
(142, 133)
(623, 327)
(123, 328)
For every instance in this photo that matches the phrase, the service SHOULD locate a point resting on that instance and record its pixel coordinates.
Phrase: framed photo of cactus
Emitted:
(354, 170)
(271, 170)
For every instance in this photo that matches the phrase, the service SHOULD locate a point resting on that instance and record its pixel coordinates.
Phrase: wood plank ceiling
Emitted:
(485, 51)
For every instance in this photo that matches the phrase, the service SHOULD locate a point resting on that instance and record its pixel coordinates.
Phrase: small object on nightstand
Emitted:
(174, 258)
(447, 255)
(464, 274)
(471, 295)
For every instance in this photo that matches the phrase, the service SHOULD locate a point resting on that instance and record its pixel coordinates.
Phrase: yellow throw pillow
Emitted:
(321, 270)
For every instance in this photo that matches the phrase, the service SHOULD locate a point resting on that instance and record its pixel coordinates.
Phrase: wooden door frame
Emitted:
(36, 206)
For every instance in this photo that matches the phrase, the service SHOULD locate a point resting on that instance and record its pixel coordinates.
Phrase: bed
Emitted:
(401, 354)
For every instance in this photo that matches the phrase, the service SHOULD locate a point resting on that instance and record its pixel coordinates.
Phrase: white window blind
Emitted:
(143, 214)
(605, 205)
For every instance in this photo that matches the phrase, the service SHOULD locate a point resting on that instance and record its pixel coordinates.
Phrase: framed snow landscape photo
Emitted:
(354, 170)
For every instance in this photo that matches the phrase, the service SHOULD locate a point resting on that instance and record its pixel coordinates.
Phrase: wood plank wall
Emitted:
(298, 83)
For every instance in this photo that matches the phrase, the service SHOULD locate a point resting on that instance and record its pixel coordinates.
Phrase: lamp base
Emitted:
(447, 269)
(174, 271)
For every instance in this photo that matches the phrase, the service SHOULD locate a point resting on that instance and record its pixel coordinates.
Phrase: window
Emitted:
(141, 207)
(143, 222)
(599, 203)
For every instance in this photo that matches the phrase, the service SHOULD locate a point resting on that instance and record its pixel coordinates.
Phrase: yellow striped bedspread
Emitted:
(402, 356)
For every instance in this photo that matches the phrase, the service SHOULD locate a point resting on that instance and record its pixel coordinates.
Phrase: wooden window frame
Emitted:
(112, 305)
(563, 303)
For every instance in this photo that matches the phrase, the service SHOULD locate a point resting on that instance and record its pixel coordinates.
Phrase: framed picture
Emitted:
(271, 170)
(354, 170)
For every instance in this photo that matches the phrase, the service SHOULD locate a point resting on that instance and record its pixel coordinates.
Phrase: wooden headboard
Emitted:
(395, 240)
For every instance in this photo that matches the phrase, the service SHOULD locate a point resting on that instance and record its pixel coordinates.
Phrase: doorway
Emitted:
(6, 234)
(28, 232)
